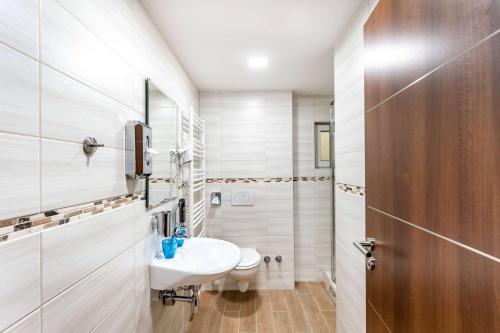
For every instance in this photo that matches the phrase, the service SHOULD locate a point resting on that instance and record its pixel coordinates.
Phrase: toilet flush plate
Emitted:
(242, 198)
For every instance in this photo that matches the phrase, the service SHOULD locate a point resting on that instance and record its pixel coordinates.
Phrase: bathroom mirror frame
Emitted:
(163, 159)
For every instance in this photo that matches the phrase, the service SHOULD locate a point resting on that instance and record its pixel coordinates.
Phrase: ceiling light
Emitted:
(257, 62)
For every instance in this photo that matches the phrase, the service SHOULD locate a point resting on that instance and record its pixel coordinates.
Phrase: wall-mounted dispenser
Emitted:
(139, 151)
(215, 198)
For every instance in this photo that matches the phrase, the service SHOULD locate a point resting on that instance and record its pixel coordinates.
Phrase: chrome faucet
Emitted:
(178, 230)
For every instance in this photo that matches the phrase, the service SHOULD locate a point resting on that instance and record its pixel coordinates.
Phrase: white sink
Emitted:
(198, 261)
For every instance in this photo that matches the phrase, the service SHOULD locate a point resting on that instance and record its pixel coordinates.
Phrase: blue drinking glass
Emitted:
(169, 247)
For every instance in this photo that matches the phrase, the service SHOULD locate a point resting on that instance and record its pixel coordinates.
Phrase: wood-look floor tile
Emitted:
(214, 316)
(262, 292)
(265, 320)
(302, 287)
(296, 311)
(248, 317)
(197, 321)
(331, 319)
(282, 322)
(313, 314)
(232, 300)
(277, 300)
(230, 322)
(321, 297)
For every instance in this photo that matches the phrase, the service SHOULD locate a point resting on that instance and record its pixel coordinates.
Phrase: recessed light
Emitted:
(257, 62)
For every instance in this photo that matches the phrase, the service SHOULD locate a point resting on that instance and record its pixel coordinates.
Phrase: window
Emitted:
(322, 144)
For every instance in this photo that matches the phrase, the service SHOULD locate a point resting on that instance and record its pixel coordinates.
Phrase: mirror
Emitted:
(161, 116)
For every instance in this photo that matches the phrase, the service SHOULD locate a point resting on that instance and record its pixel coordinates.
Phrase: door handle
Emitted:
(366, 247)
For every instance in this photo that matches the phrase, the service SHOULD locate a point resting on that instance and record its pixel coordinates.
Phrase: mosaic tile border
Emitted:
(161, 180)
(267, 180)
(44, 220)
(352, 189)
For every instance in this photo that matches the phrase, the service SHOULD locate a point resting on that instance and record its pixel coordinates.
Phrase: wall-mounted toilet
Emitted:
(247, 269)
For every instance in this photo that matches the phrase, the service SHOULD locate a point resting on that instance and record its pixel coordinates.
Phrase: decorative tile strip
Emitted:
(352, 189)
(267, 180)
(160, 180)
(312, 179)
(32, 223)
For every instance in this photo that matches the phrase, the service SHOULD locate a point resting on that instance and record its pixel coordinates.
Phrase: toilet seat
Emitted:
(250, 258)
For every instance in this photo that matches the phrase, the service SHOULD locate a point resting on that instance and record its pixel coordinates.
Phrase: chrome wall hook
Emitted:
(90, 145)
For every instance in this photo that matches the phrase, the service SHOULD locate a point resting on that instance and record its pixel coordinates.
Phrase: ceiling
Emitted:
(214, 39)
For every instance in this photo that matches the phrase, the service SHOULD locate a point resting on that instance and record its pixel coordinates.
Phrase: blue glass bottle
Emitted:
(181, 231)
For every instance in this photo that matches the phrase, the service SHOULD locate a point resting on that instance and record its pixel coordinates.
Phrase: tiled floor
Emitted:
(305, 309)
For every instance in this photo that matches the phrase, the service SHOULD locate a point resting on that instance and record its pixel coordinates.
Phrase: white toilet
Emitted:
(247, 269)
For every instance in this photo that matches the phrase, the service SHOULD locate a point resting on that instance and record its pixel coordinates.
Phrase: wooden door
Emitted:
(432, 129)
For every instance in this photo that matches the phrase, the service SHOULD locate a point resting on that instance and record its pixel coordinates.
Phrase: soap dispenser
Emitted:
(138, 150)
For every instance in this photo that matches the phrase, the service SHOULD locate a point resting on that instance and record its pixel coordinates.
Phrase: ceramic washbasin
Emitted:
(198, 261)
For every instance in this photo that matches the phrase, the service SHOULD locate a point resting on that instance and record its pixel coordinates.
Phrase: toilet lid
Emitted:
(249, 257)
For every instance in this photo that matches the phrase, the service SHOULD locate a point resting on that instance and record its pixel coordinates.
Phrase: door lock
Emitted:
(370, 263)
(366, 247)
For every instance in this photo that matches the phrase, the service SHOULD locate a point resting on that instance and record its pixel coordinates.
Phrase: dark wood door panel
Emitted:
(433, 151)
(423, 283)
(407, 38)
(373, 322)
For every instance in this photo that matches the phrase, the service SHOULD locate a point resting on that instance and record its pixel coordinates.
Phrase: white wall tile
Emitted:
(350, 264)
(68, 177)
(19, 93)
(244, 116)
(29, 324)
(350, 168)
(143, 317)
(105, 20)
(303, 152)
(279, 151)
(278, 99)
(235, 169)
(90, 300)
(304, 190)
(278, 133)
(19, 25)
(250, 227)
(243, 99)
(304, 238)
(144, 251)
(213, 151)
(279, 226)
(244, 152)
(282, 168)
(302, 101)
(142, 222)
(68, 46)
(72, 251)
(350, 136)
(279, 116)
(279, 191)
(121, 319)
(19, 159)
(243, 133)
(304, 118)
(72, 111)
(19, 278)
(210, 99)
(303, 168)
(304, 134)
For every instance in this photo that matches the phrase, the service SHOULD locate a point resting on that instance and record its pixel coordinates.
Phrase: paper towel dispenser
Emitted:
(139, 151)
